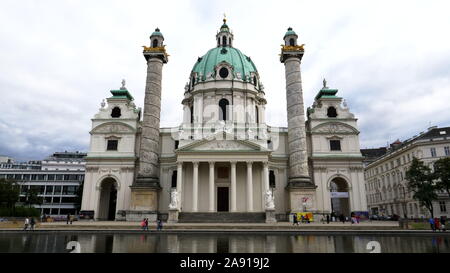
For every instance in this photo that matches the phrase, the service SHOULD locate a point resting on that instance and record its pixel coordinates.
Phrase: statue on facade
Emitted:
(269, 200)
(173, 200)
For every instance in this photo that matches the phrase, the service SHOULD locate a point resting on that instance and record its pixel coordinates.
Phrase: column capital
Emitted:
(249, 163)
(211, 163)
(179, 163)
(195, 163)
(233, 163)
(265, 164)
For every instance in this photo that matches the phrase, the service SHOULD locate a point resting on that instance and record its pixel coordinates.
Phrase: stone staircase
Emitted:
(222, 217)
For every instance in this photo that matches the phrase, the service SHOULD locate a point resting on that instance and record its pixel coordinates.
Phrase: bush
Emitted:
(19, 212)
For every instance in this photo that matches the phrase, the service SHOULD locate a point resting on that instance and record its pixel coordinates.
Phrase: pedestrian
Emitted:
(307, 219)
(32, 223)
(357, 219)
(159, 225)
(328, 218)
(295, 219)
(143, 224)
(437, 225)
(146, 223)
(71, 218)
(431, 221)
(342, 218)
(68, 219)
(443, 223)
(27, 222)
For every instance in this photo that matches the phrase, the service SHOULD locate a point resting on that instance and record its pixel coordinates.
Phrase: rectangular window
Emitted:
(57, 189)
(174, 179)
(442, 206)
(112, 145)
(59, 177)
(51, 177)
(447, 150)
(177, 142)
(49, 190)
(222, 172)
(335, 145)
(433, 152)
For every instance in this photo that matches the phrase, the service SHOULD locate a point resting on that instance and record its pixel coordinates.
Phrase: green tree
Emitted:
(420, 181)
(442, 174)
(9, 193)
(32, 198)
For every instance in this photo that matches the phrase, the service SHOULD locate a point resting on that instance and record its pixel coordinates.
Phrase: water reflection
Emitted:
(220, 243)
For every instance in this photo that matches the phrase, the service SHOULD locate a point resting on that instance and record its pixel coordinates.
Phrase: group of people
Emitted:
(144, 224)
(29, 223)
(303, 219)
(437, 224)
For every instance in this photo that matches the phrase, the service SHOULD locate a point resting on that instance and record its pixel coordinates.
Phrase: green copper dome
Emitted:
(241, 63)
(290, 32)
(157, 32)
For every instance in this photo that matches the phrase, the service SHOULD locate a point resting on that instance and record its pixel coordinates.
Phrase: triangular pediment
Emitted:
(224, 143)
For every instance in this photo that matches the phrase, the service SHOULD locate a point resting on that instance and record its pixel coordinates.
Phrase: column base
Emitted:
(270, 216)
(173, 216)
(139, 215)
(300, 182)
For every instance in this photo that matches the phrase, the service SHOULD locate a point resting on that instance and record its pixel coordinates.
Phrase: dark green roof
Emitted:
(290, 32)
(327, 93)
(233, 56)
(156, 33)
(121, 94)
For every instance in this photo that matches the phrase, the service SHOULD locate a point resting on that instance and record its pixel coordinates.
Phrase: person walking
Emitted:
(295, 219)
(146, 224)
(431, 221)
(328, 218)
(27, 222)
(68, 219)
(32, 223)
(143, 224)
(159, 225)
(342, 218)
(443, 223)
(437, 225)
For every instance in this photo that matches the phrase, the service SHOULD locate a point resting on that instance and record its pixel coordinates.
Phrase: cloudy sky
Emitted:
(59, 59)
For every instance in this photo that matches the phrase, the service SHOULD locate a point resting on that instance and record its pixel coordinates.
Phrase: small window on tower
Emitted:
(177, 142)
(224, 41)
(112, 145)
(115, 113)
(335, 145)
(155, 43)
(331, 112)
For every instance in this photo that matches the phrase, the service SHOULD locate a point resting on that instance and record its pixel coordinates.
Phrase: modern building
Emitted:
(57, 179)
(386, 184)
(224, 162)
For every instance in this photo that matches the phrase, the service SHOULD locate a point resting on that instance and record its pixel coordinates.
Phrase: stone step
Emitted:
(222, 217)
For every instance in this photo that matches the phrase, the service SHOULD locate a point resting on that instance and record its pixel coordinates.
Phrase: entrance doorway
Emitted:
(108, 200)
(340, 202)
(222, 199)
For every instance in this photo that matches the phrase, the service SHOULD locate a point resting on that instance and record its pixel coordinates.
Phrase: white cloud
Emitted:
(59, 59)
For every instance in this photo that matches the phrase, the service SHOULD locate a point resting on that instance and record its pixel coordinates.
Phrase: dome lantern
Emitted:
(224, 37)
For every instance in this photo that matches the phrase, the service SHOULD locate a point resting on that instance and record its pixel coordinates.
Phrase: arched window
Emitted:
(218, 41)
(224, 41)
(223, 103)
(192, 114)
(256, 114)
(229, 41)
(331, 112)
(115, 113)
(291, 42)
(255, 81)
(155, 43)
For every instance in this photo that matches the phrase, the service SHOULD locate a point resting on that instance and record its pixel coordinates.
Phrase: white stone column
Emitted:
(179, 182)
(265, 182)
(195, 188)
(233, 186)
(249, 187)
(211, 186)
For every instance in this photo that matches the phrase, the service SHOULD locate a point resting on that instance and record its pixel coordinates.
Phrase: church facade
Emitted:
(223, 162)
